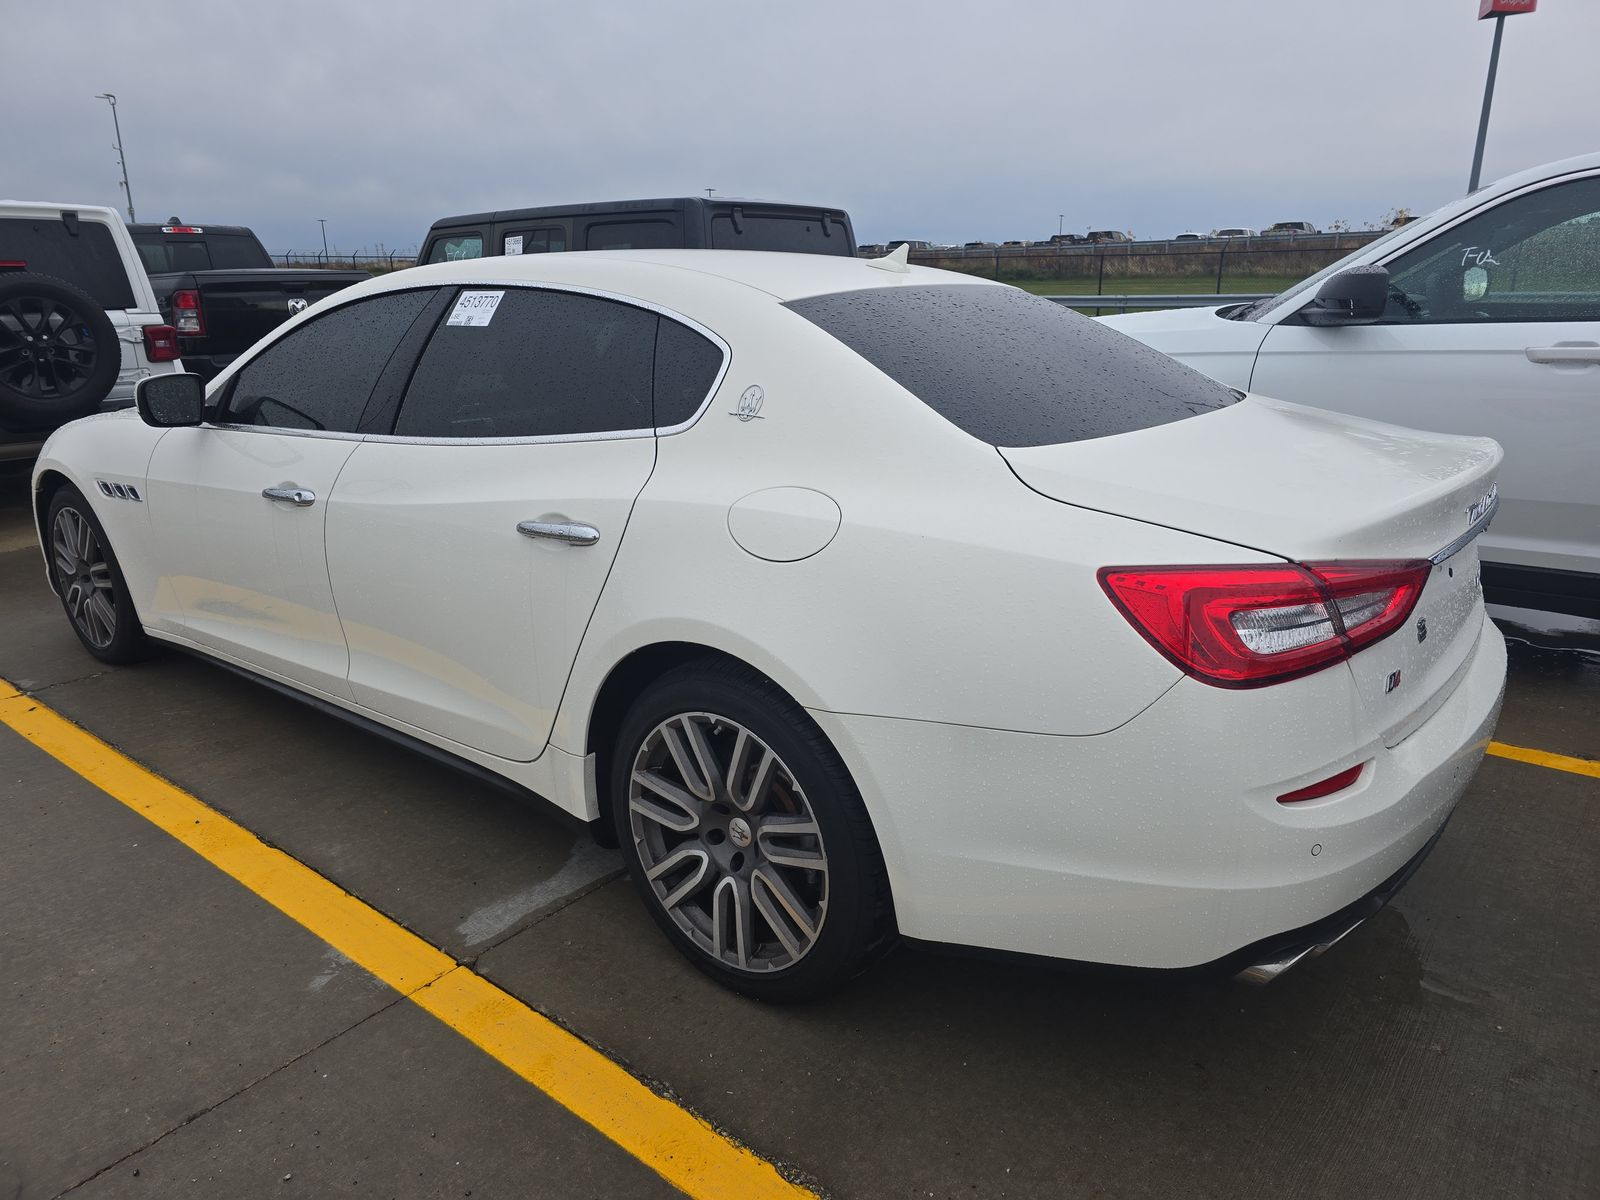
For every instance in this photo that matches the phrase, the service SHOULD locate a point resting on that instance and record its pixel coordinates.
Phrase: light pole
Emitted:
(1061, 224)
(111, 99)
(1499, 10)
(323, 221)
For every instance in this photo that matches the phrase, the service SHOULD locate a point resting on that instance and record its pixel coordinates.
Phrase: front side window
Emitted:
(1012, 369)
(456, 248)
(543, 364)
(320, 376)
(1532, 258)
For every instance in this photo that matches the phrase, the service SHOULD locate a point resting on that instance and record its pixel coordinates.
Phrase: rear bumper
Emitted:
(1161, 843)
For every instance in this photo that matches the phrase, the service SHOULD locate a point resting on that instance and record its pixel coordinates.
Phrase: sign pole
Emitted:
(1488, 99)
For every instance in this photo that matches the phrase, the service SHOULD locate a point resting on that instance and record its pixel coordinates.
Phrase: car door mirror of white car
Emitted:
(1353, 297)
(166, 401)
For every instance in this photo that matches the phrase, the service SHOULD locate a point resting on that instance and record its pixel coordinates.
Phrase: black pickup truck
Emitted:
(217, 287)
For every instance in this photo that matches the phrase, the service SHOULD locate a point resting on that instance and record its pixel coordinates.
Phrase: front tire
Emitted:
(89, 581)
(745, 836)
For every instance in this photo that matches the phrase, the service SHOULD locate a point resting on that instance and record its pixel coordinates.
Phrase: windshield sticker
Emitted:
(475, 309)
(514, 243)
(1480, 256)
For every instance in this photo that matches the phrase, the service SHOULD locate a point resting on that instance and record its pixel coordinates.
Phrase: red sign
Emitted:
(1505, 8)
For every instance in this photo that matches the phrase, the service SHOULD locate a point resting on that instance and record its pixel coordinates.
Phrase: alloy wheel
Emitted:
(729, 844)
(87, 587)
(46, 349)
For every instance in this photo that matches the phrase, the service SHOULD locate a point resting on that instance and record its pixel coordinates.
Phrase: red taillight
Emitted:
(1247, 626)
(1327, 787)
(13, 264)
(161, 343)
(186, 314)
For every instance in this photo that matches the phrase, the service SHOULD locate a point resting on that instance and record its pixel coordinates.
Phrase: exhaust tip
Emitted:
(1262, 973)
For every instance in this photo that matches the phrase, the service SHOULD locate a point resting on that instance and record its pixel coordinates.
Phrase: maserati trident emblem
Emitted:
(298, 305)
(749, 408)
(1422, 629)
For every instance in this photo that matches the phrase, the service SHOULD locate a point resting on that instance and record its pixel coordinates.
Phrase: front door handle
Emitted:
(570, 532)
(1568, 352)
(288, 493)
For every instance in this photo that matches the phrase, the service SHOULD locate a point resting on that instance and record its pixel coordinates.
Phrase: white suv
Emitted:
(1480, 318)
(79, 326)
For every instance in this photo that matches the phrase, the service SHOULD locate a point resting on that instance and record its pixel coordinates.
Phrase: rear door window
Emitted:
(83, 254)
(658, 234)
(550, 240)
(1012, 369)
(687, 366)
(455, 247)
(321, 375)
(544, 364)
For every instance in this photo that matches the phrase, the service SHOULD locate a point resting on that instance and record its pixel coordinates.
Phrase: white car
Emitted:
(855, 599)
(1234, 231)
(79, 323)
(1487, 321)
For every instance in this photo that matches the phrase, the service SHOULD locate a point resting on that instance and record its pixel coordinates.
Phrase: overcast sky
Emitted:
(933, 119)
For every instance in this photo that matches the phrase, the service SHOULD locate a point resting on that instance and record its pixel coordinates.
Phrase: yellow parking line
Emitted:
(679, 1146)
(1543, 758)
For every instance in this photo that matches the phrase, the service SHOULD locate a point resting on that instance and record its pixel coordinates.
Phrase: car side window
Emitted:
(542, 364)
(321, 375)
(535, 241)
(1532, 258)
(649, 234)
(686, 368)
(457, 247)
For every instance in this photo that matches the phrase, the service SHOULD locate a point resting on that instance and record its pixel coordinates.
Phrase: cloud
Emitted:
(935, 119)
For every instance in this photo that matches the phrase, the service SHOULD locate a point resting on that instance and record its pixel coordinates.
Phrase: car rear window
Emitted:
(1012, 369)
(166, 252)
(87, 259)
(798, 233)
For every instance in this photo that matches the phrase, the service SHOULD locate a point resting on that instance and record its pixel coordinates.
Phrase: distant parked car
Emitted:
(1190, 236)
(1290, 229)
(979, 246)
(1108, 235)
(1065, 239)
(871, 250)
(1480, 318)
(911, 243)
(681, 222)
(1235, 231)
(1016, 243)
(79, 325)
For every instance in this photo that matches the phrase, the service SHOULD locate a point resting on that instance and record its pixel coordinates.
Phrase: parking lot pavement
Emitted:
(1450, 1047)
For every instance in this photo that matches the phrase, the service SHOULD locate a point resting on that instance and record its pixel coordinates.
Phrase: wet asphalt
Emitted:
(165, 1033)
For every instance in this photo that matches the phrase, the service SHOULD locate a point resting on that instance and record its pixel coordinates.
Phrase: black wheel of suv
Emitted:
(89, 581)
(59, 354)
(745, 835)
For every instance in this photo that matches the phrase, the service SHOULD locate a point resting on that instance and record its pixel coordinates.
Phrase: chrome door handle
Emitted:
(569, 532)
(290, 494)
(1580, 352)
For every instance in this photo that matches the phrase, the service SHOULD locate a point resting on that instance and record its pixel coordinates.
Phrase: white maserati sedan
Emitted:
(856, 601)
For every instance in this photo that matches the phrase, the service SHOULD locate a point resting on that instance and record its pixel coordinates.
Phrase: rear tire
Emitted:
(764, 870)
(89, 581)
(59, 354)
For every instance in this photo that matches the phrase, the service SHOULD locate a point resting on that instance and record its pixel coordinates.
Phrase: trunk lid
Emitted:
(1282, 478)
(1310, 486)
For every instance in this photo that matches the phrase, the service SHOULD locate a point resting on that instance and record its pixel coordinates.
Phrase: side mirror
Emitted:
(1353, 297)
(166, 401)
